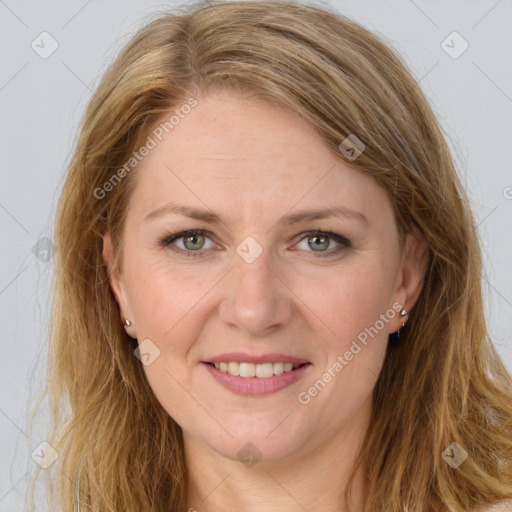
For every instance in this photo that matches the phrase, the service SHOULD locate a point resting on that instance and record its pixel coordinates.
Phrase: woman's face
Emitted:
(258, 282)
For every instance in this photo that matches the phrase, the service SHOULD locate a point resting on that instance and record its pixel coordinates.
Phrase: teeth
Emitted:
(278, 368)
(261, 370)
(234, 368)
(264, 370)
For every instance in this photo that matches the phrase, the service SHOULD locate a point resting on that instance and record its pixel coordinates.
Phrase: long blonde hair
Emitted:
(118, 448)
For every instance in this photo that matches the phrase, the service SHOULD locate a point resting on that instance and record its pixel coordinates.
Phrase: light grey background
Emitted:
(42, 100)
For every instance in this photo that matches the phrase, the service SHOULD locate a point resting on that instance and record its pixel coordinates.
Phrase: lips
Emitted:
(254, 385)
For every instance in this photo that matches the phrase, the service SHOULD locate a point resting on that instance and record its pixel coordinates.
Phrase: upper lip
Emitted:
(242, 357)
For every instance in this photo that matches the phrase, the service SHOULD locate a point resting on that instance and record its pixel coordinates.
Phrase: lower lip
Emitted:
(255, 386)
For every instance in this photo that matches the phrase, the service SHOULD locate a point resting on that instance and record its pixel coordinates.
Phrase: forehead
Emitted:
(227, 126)
(244, 153)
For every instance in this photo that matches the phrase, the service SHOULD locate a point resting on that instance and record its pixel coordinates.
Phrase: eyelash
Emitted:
(345, 243)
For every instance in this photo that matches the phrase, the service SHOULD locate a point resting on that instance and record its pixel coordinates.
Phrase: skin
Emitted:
(252, 163)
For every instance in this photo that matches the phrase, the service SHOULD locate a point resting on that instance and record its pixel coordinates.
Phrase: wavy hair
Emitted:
(118, 448)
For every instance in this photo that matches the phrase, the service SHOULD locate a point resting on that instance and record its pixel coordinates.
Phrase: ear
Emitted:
(116, 283)
(410, 280)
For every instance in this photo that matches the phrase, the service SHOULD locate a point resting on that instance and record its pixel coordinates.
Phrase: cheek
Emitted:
(164, 298)
(353, 344)
(354, 307)
(351, 299)
(169, 305)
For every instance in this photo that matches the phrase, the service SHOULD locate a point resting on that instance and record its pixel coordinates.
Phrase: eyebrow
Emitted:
(293, 218)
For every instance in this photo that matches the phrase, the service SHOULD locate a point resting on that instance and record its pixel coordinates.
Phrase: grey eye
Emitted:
(320, 243)
(194, 242)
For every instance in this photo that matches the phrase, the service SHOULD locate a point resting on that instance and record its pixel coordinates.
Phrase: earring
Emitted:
(127, 322)
(402, 313)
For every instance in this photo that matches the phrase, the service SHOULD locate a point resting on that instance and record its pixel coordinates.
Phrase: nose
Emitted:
(257, 300)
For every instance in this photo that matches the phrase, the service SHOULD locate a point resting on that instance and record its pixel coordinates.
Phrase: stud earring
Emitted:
(403, 313)
(127, 322)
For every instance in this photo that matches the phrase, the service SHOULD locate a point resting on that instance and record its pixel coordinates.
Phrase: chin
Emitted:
(251, 445)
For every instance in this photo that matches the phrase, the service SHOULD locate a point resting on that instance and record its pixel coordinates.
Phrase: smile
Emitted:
(256, 379)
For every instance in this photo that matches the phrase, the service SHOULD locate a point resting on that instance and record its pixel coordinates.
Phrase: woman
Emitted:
(268, 290)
